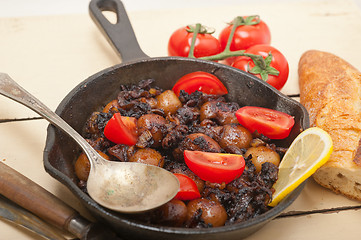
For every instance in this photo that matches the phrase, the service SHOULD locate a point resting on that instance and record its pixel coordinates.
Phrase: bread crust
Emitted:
(330, 89)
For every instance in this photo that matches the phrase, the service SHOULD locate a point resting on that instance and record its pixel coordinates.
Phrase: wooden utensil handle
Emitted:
(34, 198)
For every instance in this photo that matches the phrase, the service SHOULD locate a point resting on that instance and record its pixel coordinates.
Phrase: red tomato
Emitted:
(271, 123)
(188, 188)
(121, 130)
(180, 42)
(245, 35)
(201, 81)
(215, 167)
(279, 62)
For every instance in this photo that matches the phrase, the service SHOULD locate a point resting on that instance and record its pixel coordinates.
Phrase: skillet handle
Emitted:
(120, 35)
(29, 195)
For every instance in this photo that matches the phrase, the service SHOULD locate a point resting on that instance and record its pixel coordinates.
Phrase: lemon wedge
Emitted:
(308, 152)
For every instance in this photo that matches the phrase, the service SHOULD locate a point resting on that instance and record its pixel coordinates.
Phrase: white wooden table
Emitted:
(50, 54)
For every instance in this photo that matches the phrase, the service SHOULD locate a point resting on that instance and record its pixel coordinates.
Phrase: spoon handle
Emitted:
(9, 88)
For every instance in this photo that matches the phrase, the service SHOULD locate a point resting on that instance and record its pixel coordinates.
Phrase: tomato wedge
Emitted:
(188, 188)
(201, 81)
(121, 130)
(271, 123)
(215, 167)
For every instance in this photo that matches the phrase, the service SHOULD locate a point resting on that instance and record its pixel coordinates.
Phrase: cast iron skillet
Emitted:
(93, 93)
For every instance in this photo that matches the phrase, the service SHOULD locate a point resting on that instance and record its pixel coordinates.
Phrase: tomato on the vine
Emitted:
(278, 62)
(201, 81)
(252, 31)
(271, 123)
(121, 130)
(180, 42)
(215, 167)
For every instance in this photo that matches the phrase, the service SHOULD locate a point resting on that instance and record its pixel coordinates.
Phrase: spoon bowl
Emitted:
(121, 186)
(133, 187)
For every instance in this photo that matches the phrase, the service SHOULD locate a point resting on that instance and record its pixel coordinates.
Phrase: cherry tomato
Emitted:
(271, 123)
(180, 42)
(188, 188)
(279, 62)
(246, 35)
(201, 81)
(215, 167)
(121, 130)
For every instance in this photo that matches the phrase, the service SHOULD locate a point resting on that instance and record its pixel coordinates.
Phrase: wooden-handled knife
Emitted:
(32, 197)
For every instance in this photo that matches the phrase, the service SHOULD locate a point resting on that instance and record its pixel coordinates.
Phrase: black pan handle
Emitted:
(120, 35)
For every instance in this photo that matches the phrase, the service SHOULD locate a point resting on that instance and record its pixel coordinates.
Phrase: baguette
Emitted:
(330, 89)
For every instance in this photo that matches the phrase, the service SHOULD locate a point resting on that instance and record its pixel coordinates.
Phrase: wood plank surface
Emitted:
(50, 55)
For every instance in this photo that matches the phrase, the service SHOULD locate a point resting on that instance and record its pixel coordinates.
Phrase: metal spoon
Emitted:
(120, 186)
